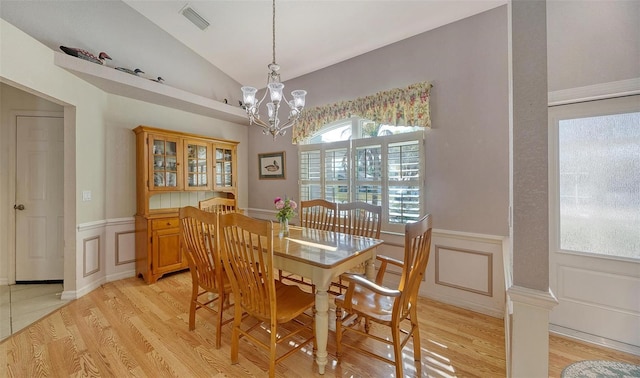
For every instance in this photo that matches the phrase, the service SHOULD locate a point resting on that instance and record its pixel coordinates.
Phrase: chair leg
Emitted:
(192, 307)
(235, 334)
(221, 299)
(338, 332)
(415, 334)
(272, 349)
(397, 349)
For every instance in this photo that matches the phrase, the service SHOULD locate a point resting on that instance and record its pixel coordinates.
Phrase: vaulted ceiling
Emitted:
(310, 35)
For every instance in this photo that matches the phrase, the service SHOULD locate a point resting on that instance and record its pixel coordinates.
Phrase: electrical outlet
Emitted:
(86, 195)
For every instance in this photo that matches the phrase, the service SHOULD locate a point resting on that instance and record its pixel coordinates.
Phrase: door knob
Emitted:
(18, 207)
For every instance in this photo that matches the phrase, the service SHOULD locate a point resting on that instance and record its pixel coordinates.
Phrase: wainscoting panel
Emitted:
(90, 256)
(121, 248)
(464, 269)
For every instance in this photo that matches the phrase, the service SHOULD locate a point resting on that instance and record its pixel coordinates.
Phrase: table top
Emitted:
(324, 249)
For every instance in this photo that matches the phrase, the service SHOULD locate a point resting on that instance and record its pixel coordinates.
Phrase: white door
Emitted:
(595, 221)
(39, 198)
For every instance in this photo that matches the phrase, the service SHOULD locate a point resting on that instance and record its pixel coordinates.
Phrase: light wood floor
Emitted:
(127, 328)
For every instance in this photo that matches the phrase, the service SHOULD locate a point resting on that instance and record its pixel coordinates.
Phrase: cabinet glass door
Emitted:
(165, 163)
(224, 167)
(196, 155)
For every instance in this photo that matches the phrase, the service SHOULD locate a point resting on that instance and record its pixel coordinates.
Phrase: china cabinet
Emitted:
(171, 163)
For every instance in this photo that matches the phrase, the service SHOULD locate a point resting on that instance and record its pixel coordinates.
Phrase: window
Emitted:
(597, 177)
(383, 166)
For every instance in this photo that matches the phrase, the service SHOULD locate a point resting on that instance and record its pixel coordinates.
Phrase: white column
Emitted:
(530, 331)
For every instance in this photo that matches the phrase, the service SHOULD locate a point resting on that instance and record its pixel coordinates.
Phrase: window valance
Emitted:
(401, 106)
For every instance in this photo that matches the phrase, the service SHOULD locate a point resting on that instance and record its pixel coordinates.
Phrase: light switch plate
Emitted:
(86, 195)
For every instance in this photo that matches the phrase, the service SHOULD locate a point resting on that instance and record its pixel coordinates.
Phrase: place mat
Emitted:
(597, 369)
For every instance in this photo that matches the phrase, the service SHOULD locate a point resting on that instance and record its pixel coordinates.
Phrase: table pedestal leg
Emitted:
(322, 327)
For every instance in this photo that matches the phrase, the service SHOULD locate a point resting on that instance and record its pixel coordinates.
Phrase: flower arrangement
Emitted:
(286, 208)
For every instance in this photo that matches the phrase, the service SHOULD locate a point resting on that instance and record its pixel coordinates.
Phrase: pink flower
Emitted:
(279, 204)
(278, 199)
(293, 204)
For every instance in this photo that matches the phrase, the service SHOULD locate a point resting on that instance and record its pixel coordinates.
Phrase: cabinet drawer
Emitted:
(160, 224)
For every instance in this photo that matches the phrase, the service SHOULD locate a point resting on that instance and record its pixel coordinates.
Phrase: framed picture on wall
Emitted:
(271, 165)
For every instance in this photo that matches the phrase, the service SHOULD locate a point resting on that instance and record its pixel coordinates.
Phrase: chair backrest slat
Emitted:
(318, 214)
(218, 205)
(359, 218)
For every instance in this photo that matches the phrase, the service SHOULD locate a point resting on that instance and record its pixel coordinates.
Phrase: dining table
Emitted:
(321, 256)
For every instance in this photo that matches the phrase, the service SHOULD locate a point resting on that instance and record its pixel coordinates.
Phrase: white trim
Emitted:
(91, 225)
(595, 92)
(121, 275)
(75, 294)
(532, 297)
(475, 307)
(492, 239)
(120, 221)
(593, 339)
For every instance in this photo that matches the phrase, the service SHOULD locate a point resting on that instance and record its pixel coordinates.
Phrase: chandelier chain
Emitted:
(273, 30)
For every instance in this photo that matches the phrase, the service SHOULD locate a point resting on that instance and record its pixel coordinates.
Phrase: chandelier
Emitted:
(274, 87)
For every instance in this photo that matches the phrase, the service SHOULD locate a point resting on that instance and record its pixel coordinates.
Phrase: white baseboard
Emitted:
(468, 305)
(121, 275)
(75, 294)
(592, 339)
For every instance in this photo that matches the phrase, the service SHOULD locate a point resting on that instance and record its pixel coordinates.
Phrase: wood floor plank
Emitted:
(128, 328)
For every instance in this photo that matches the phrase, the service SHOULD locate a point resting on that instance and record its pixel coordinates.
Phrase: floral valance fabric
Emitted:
(401, 106)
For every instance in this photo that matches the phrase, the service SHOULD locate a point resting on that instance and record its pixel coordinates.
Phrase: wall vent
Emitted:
(194, 17)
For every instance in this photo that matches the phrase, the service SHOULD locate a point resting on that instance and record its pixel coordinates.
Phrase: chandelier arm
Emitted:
(259, 122)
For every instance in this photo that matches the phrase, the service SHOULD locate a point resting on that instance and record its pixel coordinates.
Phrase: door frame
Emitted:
(604, 92)
(13, 154)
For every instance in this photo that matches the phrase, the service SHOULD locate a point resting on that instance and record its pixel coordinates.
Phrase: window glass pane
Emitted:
(404, 204)
(336, 193)
(310, 191)
(336, 165)
(599, 169)
(404, 161)
(335, 133)
(369, 193)
(370, 129)
(310, 165)
(368, 165)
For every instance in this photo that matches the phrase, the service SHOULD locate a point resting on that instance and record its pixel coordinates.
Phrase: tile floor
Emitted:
(21, 305)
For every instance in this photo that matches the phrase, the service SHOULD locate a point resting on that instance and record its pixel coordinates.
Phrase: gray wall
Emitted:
(468, 147)
(592, 42)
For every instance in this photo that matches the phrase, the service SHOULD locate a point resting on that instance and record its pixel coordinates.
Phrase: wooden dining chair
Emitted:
(360, 219)
(393, 308)
(198, 237)
(218, 205)
(318, 214)
(247, 255)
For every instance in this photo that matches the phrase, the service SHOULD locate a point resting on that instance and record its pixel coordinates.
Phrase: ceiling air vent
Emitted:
(194, 17)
